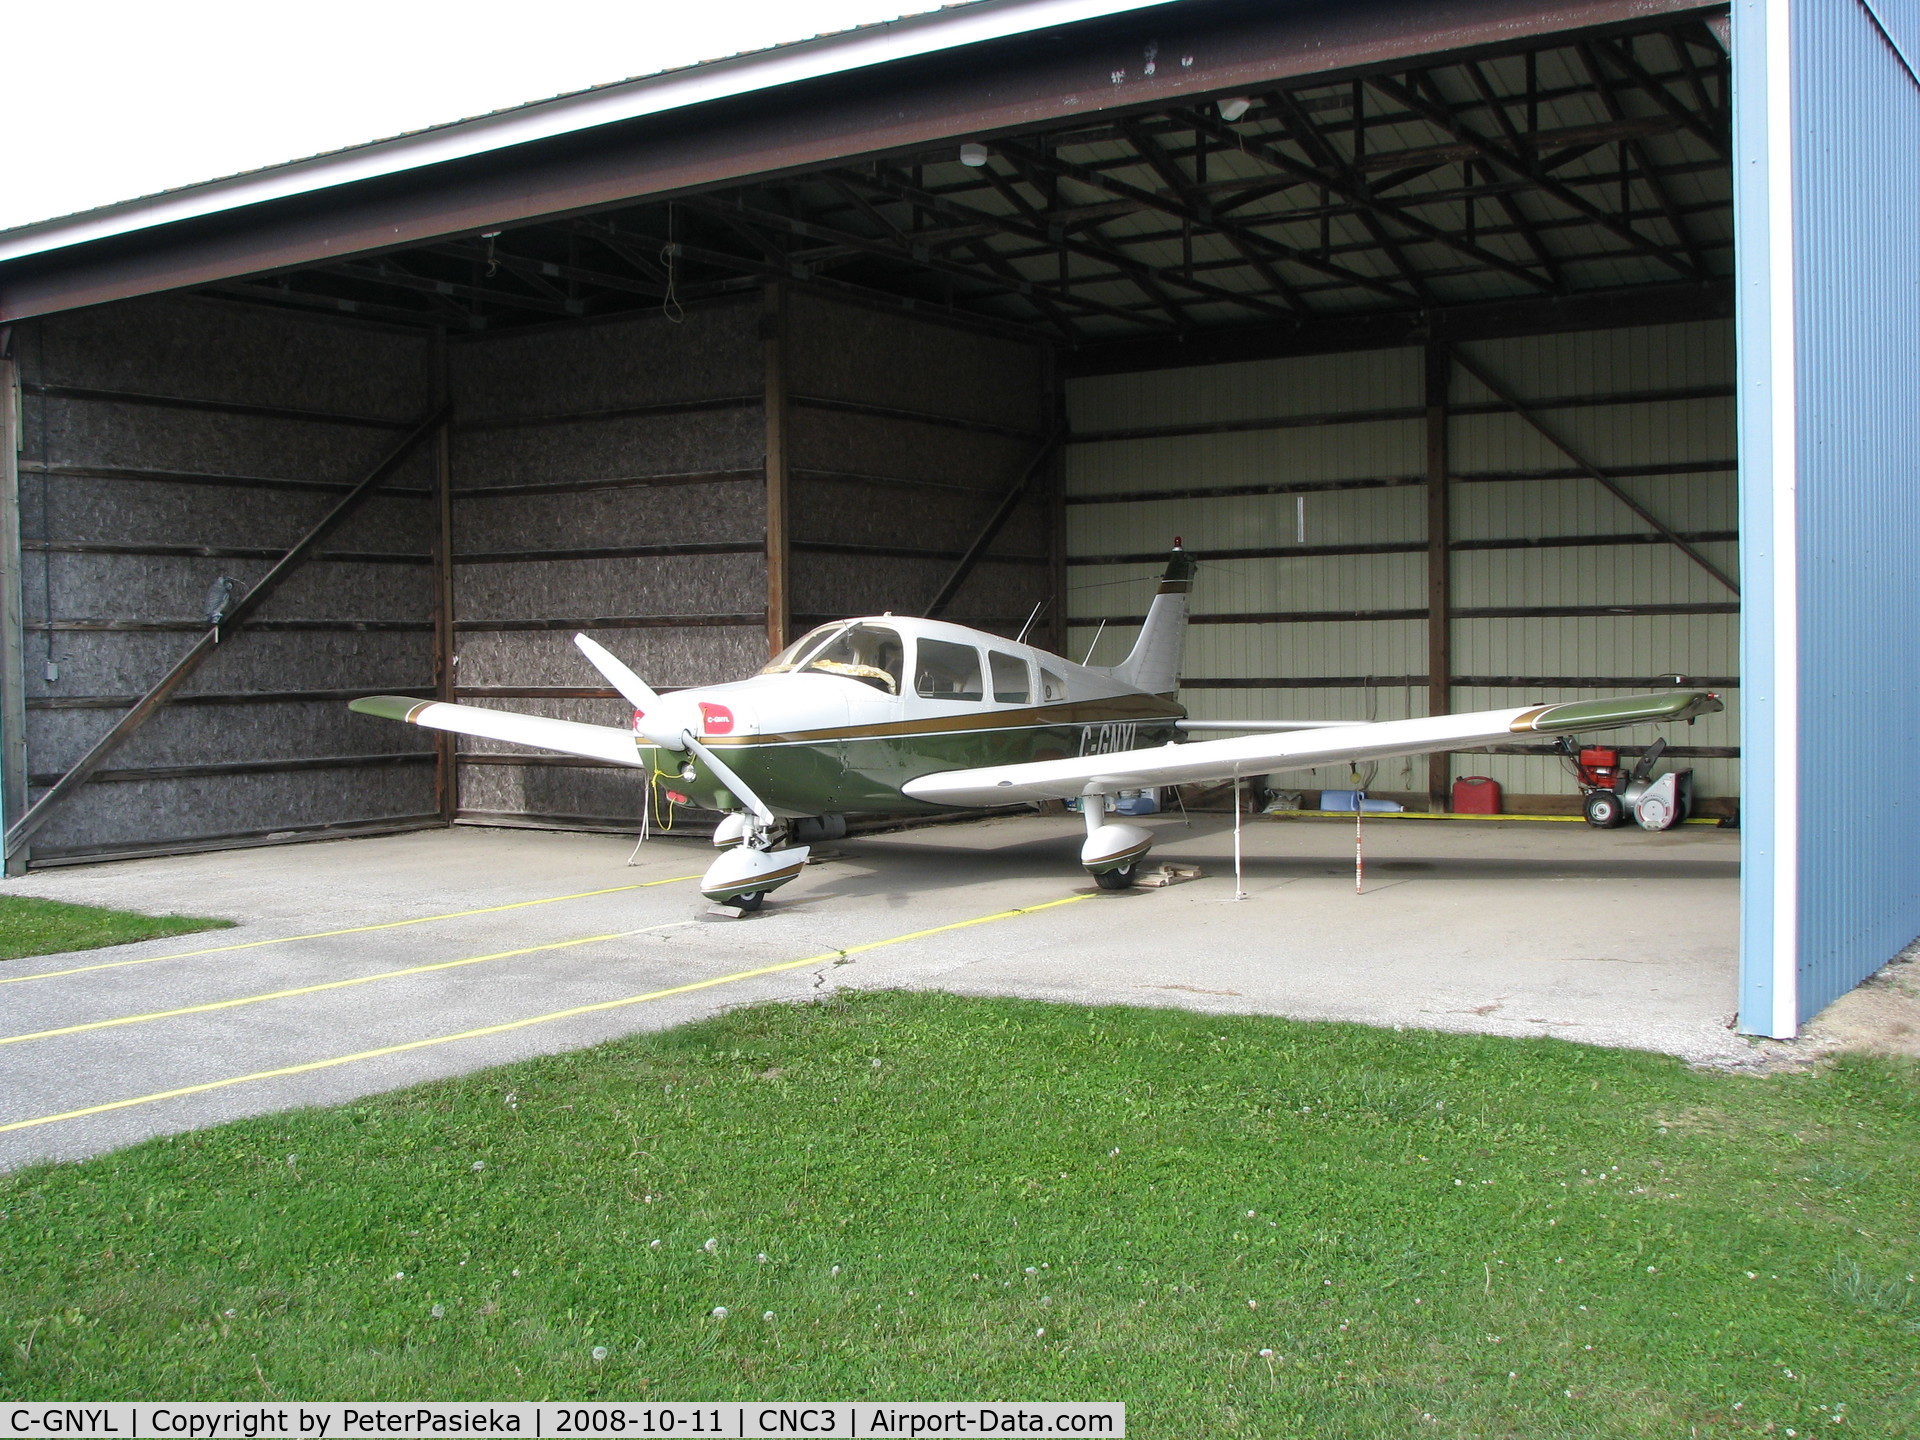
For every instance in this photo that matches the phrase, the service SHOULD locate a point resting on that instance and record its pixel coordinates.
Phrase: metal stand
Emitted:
(1239, 884)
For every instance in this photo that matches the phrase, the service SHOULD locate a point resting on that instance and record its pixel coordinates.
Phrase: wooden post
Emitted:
(773, 336)
(13, 640)
(1056, 481)
(446, 762)
(1439, 572)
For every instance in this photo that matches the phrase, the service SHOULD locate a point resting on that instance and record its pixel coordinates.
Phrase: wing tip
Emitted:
(389, 707)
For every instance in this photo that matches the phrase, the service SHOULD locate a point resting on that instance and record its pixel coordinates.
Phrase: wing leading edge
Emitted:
(569, 737)
(1258, 754)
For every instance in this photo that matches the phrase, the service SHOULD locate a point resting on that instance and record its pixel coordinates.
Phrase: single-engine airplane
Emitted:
(891, 714)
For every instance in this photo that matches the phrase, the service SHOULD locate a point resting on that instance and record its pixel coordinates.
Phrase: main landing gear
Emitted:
(1111, 853)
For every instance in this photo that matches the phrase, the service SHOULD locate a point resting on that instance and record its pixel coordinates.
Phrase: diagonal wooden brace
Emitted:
(143, 709)
(1002, 512)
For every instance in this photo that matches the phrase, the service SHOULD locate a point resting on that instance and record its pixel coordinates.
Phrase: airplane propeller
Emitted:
(657, 723)
(652, 717)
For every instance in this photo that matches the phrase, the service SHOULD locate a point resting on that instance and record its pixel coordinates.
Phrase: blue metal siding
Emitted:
(1901, 21)
(1766, 823)
(1857, 373)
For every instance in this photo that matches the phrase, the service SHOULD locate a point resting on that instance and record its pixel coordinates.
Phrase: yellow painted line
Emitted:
(501, 1029)
(1449, 815)
(211, 1005)
(350, 930)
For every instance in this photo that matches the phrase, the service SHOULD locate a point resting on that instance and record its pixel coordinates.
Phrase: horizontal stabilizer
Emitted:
(569, 737)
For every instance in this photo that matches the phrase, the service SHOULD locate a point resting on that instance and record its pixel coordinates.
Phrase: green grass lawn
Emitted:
(1237, 1226)
(49, 927)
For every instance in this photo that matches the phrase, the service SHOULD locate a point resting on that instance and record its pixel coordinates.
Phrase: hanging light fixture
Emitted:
(973, 153)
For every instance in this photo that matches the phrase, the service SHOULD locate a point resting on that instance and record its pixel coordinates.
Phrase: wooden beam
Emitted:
(1439, 374)
(253, 767)
(216, 552)
(612, 622)
(1416, 547)
(612, 552)
(217, 407)
(144, 708)
(13, 677)
(1459, 612)
(1055, 624)
(1662, 304)
(446, 773)
(196, 477)
(232, 697)
(773, 336)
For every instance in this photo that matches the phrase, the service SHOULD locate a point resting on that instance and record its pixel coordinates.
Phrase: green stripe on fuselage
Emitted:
(864, 772)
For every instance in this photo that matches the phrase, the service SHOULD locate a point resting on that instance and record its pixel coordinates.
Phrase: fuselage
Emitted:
(852, 711)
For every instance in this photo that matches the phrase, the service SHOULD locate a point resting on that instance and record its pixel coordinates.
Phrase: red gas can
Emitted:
(1476, 795)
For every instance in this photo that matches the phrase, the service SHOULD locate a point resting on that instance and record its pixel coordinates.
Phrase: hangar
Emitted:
(1491, 352)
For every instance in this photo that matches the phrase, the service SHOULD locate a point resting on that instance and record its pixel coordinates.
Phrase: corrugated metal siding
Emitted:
(1686, 443)
(1857, 316)
(1649, 435)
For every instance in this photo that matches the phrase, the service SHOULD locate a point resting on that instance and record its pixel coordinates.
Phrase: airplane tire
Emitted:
(1121, 878)
(1604, 809)
(749, 903)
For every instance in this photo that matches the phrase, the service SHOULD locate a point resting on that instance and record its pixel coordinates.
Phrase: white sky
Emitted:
(111, 99)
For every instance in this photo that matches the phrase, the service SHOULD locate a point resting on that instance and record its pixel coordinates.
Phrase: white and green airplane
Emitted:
(894, 715)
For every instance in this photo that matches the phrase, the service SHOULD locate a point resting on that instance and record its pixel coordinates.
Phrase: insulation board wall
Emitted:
(166, 442)
(904, 435)
(1329, 454)
(607, 478)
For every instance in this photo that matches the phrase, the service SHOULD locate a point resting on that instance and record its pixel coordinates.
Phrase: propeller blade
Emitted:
(724, 774)
(650, 717)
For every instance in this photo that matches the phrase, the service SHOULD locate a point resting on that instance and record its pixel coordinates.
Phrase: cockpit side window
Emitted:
(946, 671)
(872, 654)
(1052, 688)
(1011, 685)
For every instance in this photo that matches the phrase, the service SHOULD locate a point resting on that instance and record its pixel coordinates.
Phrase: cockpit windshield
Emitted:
(789, 658)
(872, 654)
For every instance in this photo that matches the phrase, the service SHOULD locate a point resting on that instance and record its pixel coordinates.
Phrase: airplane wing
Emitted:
(569, 737)
(1258, 754)
(1263, 727)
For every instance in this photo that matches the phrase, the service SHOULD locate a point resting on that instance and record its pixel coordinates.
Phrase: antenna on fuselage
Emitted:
(1096, 641)
(1021, 637)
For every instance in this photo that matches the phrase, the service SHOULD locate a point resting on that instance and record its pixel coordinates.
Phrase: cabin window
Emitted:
(871, 654)
(1010, 683)
(947, 671)
(1052, 688)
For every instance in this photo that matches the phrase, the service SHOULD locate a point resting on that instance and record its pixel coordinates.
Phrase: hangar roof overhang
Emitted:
(1401, 169)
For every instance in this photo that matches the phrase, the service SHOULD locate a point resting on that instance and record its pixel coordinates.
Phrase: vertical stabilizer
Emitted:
(1154, 665)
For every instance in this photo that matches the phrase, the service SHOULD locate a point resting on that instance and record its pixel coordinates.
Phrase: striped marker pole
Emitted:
(1359, 856)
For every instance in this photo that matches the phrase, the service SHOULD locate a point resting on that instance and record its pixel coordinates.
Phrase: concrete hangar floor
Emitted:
(365, 965)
